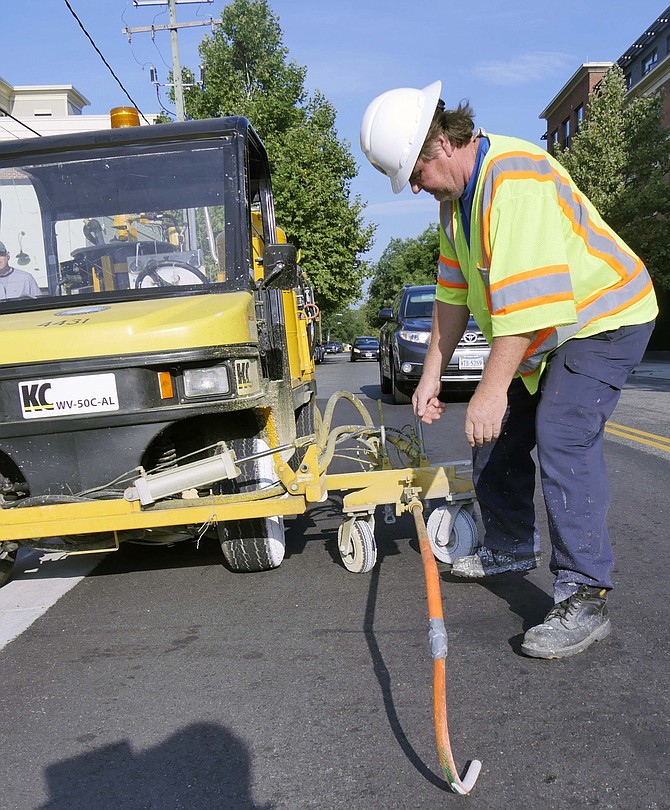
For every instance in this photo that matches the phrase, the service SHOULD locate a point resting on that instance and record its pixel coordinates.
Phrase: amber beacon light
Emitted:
(124, 117)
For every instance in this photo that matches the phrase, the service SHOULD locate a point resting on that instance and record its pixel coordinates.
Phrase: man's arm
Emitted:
(487, 406)
(449, 322)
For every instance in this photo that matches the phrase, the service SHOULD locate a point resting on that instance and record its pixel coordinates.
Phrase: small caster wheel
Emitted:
(452, 533)
(359, 552)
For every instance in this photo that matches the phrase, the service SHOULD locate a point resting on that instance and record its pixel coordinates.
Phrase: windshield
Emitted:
(366, 341)
(419, 303)
(123, 224)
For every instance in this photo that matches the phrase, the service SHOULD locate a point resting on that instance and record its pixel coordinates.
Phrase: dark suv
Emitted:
(404, 340)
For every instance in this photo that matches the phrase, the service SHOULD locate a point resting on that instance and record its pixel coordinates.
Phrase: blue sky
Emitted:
(508, 57)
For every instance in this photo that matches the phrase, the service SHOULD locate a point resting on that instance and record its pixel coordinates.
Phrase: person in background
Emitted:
(15, 283)
(568, 310)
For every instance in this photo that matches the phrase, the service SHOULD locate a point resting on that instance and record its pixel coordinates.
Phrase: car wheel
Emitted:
(399, 397)
(384, 382)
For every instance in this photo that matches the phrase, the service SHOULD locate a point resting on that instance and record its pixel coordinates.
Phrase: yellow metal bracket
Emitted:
(306, 480)
(400, 487)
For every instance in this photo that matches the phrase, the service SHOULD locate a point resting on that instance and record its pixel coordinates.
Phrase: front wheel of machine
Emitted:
(253, 545)
(7, 560)
(452, 533)
(360, 555)
(307, 423)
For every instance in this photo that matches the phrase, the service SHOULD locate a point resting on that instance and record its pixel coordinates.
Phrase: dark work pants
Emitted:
(565, 420)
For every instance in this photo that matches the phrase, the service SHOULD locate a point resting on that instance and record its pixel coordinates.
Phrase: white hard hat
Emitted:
(394, 128)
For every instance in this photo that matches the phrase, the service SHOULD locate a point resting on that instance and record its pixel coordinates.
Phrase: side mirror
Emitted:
(280, 263)
(385, 314)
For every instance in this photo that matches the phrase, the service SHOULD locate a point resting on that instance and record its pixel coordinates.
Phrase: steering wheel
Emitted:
(170, 273)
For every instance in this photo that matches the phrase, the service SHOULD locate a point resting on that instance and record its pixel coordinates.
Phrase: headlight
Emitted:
(414, 336)
(202, 382)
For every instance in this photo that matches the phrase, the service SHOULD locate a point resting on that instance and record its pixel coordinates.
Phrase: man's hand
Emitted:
(486, 409)
(484, 415)
(427, 407)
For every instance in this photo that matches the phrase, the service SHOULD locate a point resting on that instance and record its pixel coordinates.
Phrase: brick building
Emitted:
(646, 66)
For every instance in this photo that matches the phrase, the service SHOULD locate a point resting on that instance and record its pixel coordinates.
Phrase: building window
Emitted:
(629, 80)
(579, 118)
(565, 133)
(650, 62)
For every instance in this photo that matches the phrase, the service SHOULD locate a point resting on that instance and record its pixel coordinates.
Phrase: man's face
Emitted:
(445, 176)
(4, 262)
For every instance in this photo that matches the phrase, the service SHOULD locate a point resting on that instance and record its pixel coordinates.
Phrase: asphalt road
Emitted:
(162, 680)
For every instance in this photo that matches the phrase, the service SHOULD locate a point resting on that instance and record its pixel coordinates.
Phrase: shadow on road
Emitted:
(384, 679)
(203, 765)
(523, 598)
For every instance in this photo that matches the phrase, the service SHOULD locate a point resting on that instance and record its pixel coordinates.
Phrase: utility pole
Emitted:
(173, 27)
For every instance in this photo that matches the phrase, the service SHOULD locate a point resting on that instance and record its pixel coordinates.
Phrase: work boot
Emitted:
(486, 562)
(570, 626)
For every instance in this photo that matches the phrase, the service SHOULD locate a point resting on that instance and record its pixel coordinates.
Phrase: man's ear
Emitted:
(445, 145)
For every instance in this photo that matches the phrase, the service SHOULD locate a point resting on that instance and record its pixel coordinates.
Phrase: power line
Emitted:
(106, 63)
(173, 27)
(9, 115)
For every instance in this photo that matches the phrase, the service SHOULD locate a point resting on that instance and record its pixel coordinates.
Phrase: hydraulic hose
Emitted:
(438, 643)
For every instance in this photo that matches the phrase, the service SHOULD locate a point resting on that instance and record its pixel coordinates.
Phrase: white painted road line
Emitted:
(39, 581)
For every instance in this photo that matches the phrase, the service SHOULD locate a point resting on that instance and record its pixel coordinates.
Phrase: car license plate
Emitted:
(470, 362)
(368, 354)
(68, 396)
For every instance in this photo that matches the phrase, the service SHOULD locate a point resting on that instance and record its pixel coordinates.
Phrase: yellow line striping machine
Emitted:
(157, 372)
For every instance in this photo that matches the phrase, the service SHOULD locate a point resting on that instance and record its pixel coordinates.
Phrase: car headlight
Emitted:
(412, 336)
(202, 382)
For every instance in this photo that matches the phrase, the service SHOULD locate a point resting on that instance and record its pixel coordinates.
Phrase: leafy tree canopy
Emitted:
(248, 72)
(404, 261)
(620, 158)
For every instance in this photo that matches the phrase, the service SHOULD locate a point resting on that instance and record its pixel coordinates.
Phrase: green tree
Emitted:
(620, 158)
(346, 325)
(404, 261)
(248, 72)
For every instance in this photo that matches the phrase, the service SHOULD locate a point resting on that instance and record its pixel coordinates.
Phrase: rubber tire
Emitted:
(7, 566)
(255, 544)
(399, 397)
(305, 424)
(463, 535)
(363, 549)
(384, 382)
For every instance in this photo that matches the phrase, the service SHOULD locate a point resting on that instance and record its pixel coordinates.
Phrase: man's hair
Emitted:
(457, 126)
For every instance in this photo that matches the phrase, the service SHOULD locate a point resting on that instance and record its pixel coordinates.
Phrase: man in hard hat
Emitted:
(15, 283)
(568, 310)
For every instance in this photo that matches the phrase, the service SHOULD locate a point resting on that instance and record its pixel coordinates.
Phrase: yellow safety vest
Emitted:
(541, 259)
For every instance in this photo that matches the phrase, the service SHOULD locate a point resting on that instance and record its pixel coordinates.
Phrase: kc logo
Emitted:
(34, 396)
(243, 372)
